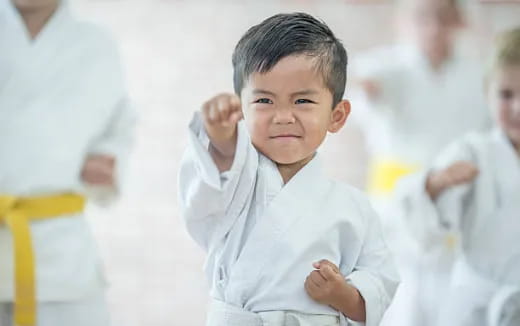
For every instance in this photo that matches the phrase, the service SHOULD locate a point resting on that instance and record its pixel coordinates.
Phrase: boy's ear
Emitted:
(339, 116)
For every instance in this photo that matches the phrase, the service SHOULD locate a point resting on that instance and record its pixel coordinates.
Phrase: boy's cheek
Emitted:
(258, 126)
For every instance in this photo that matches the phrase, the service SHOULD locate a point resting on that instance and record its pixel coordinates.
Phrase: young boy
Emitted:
(469, 199)
(286, 245)
(65, 122)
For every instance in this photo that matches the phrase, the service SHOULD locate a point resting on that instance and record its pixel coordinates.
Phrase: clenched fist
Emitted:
(326, 285)
(323, 282)
(458, 173)
(99, 170)
(221, 115)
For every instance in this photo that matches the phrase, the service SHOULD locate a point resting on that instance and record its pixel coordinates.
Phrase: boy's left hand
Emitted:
(99, 170)
(324, 283)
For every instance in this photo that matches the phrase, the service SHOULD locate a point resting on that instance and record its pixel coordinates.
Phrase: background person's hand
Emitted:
(99, 170)
(460, 172)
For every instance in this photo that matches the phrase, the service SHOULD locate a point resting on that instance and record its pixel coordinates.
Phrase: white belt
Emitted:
(224, 314)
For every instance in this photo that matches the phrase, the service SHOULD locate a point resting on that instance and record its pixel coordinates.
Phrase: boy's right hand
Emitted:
(458, 173)
(221, 115)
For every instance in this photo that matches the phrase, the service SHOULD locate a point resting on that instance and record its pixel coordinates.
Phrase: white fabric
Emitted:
(89, 311)
(504, 308)
(62, 97)
(484, 216)
(262, 236)
(419, 110)
(223, 314)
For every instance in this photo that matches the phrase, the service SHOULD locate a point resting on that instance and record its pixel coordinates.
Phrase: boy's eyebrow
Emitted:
(258, 91)
(298, 93)
(305, 92)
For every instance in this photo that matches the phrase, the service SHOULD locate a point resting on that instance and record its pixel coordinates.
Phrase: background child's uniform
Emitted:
(88, 311)
(479, 224)
(262, 236)
(62, 97)
(417, 112)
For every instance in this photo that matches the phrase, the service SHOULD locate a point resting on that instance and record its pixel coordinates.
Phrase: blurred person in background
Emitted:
(418, 96)
(65, 132)
(470, 194)
(421, 91)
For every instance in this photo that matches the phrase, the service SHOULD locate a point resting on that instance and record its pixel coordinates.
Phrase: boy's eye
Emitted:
(303, 101)
(264, 101)
(506, 94)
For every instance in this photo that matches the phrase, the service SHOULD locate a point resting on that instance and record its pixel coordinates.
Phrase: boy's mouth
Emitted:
(285, 136)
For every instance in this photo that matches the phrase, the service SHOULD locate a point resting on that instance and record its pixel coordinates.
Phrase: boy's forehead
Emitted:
(290, 73)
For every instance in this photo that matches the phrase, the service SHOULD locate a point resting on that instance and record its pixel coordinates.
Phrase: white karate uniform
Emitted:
(419, 111)
(484, 219)
(62, 97)
(89, 311)
(262, 236)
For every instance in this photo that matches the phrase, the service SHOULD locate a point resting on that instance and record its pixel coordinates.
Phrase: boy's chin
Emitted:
(285, 156)
(287, 159)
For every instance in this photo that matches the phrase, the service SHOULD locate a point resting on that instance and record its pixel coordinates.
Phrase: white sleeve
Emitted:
(382, 68)
(210, 202)
(429, 221)
(117, 134)
(374, 275)
(504, 307)
(116, 140)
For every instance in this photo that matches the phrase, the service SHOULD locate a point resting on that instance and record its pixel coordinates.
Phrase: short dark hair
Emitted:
(282, 35)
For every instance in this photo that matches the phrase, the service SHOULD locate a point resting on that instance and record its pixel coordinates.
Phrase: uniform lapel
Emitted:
(295, 201)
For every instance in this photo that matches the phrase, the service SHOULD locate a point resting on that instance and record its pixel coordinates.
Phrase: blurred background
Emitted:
(176, 55)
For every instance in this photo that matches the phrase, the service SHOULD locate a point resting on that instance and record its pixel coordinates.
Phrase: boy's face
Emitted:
(504, 97)
(288, 110)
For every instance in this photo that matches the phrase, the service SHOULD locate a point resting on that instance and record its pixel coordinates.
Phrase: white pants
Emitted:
(92, 311)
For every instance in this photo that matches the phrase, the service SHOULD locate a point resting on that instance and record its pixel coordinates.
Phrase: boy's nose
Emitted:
(284, 116)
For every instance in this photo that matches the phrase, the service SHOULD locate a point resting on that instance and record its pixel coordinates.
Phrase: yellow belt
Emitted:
(385, 173)
(16, 212)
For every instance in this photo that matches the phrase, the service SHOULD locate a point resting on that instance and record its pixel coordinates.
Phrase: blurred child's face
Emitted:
(288, 110)
(434, 24)
(504, 97)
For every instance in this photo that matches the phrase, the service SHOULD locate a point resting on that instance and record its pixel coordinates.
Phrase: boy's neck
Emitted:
(35, 20)
(287, 171)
